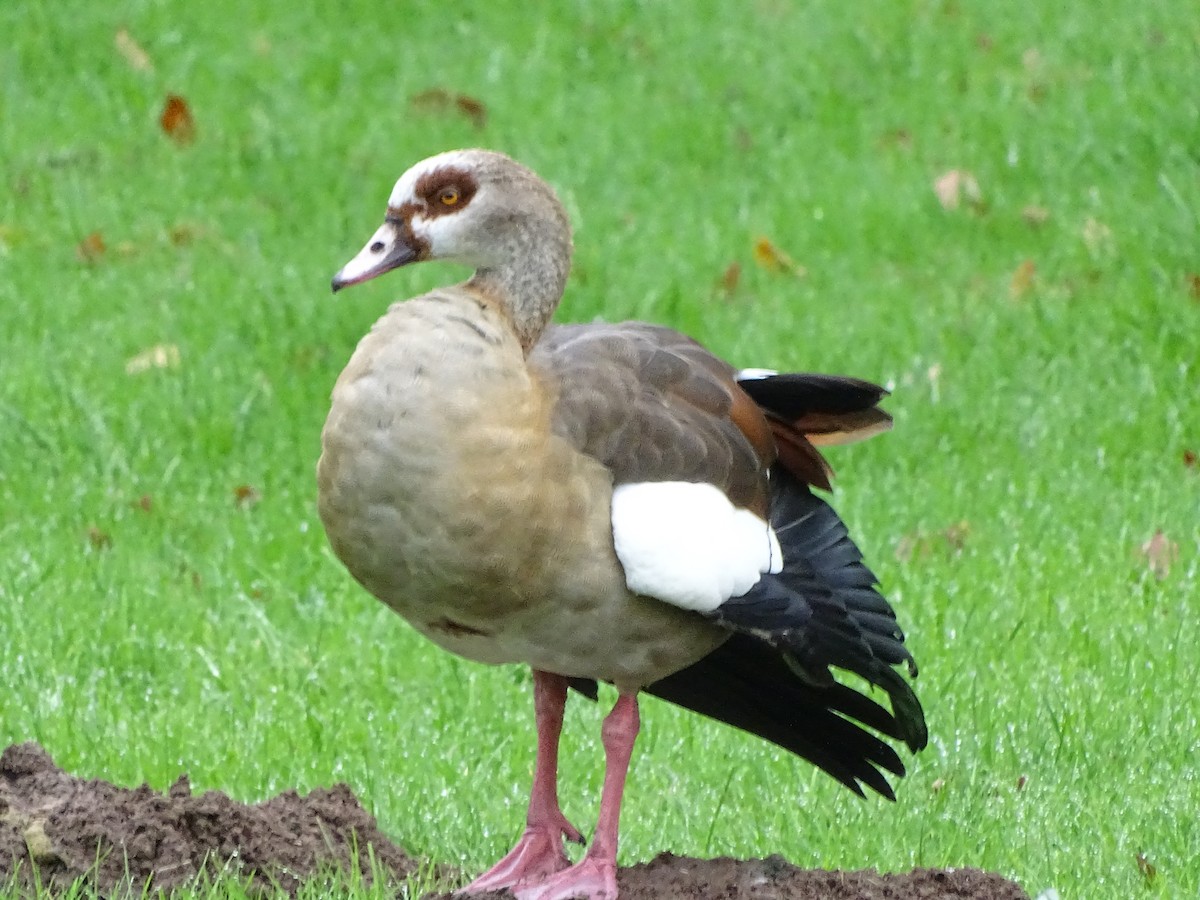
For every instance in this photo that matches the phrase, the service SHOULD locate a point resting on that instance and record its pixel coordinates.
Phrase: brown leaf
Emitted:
(245, 495)
(186, 571)
(99, 538)
(1190, 458)
(91, 248)
(1021, 782)
(145, 503)
(957, 186)
(922, 544)
(473, 109)
(1022, 279)
(440, 100)
(1147, 868)
(731, 277)
(432, 100)
(956, 534)
(1035, 216)
(771, 258)
(1193, 283)
(176, 120)
(137, 58)
(183, 234)
(896, 138)
(1159, 553)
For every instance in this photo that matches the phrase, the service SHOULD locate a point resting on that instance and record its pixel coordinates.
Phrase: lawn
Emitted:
(761, 175)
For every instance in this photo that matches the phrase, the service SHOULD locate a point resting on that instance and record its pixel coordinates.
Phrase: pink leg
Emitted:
(595, 876)
(539, 852)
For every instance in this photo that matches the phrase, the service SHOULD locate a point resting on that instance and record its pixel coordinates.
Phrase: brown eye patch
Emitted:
(445, 190)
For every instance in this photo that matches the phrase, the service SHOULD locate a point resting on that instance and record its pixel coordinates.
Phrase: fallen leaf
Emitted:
(99, 538)
(1147, 868)
(177, 121)
(984, 42)
(160, 356)
(938, 784)
(432, 100)
(1035, 216)
(1193, 282)
(897, 138)
(91, 248)
(245, 495)
(1159, 553)
(956, 186)
(145, 503)
(922, 544)
(440, 100)
(1021, 782)
(1190, 458)
(1022, 279)
(473, 109)
(771, 258)
(956, 534)
(183, 234)
(129, 48)
(1097, 236)
(731, 277)
(186, 571)
(934, 374)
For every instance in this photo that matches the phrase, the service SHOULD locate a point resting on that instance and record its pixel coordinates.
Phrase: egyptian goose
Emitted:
(602, 503)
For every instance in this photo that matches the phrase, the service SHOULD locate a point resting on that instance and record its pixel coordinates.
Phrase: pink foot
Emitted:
(537, 856)
(591, 878)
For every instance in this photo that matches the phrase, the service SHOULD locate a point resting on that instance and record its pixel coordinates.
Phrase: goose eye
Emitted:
(448, 196)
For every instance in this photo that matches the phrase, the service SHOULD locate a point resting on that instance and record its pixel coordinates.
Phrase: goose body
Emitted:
(497, 545)
(602, 503)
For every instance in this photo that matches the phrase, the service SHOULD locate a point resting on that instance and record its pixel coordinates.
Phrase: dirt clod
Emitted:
(69, 827)
(64, 828)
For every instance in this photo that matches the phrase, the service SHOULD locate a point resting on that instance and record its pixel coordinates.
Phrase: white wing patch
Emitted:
(754, 374)
(686, 544)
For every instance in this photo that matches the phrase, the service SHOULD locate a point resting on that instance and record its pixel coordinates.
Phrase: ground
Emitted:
(70, 827)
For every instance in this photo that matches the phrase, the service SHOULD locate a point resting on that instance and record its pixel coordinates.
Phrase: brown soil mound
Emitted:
(66, 828)
(70, 827)
(669, 877)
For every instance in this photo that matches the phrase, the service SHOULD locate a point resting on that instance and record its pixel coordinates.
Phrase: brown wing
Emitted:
(653, 405)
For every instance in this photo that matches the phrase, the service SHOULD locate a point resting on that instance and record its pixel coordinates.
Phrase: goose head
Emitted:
(482, 209)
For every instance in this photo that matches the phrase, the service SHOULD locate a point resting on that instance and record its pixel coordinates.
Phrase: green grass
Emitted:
(224, 640)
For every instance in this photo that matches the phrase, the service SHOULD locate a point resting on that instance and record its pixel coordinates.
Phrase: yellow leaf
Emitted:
(771, 258)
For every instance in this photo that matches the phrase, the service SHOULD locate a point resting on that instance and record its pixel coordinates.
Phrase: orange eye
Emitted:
(448, 196)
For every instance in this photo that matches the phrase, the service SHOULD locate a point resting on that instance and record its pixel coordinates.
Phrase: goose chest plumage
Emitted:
(601, 503)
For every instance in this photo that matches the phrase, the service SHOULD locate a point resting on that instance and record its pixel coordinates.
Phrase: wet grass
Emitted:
(166, 596)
